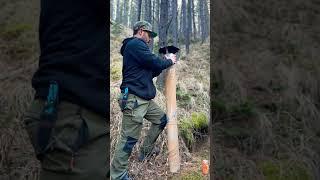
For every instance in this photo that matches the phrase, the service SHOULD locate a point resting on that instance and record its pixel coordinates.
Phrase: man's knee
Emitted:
(129, 144)
(163, 121)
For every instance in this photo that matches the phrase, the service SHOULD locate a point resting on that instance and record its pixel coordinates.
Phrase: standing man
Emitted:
(67, 121)
(140, 66)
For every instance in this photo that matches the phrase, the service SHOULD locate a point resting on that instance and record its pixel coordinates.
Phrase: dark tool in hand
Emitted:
(168, 49)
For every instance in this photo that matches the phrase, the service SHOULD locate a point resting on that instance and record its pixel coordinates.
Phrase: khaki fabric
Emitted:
(132, 123)
(90, 160)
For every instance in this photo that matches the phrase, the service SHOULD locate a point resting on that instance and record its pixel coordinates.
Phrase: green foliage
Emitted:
(199, 121)
(239, 132)
(116, 29)
(155, 48)
(192, 176)
(245, 108)
(219, 106)
(183, 98)
(14, 31)
(283, 170)
(116, 72)
(183, 57)
(186, 131)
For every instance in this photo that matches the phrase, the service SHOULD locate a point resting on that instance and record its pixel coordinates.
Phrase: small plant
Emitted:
(186, 131)
(116, 29)
(200, 121)
(14, 31)
(193, 128)
(183, 97)
(219, 106)
(245, 108)
(282, 170)
(238, 132)
(192, 176)
(116, 73)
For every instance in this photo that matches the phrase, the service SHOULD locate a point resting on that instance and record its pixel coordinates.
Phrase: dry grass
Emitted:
(17, 159)
(265, 53)
(18, 54)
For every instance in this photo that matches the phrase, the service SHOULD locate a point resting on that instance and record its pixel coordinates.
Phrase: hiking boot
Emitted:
(155, 151)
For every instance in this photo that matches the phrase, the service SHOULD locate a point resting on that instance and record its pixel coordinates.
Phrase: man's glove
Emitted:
(171, 56)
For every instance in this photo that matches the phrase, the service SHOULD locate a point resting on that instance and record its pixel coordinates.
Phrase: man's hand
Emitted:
(171, 56)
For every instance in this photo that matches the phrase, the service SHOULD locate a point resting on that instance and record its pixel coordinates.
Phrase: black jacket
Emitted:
(140, 66)
(74, 52)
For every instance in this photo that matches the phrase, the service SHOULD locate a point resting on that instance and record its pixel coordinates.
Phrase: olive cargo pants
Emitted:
(133, 113)
(90, 160)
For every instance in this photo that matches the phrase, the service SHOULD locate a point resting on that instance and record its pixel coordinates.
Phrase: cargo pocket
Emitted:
(69, 134)
(128, 104)
(132, 121)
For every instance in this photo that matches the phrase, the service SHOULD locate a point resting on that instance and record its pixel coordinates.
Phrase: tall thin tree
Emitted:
(158, 15)
(163, 25)
(133, 13)
(199, 9)
(125, 13)
(194, 29)
(206, 18)
(174, 10)
(183, 25)
(148, 18)
(111, 9)
(189, 25)
(118, 19)
(139, 4)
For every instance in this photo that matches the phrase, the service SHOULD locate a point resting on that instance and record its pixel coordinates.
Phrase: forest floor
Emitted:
(266, 90)
(193, 84)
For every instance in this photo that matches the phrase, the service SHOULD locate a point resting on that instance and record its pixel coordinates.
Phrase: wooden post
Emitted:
(173, 141)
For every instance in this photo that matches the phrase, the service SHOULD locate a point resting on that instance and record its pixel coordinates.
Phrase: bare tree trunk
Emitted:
(125, 13)
(139, 3)
(132, 13)
(175, 22)
(194, 21)
(206, 18)
(199, 18)
(170, 29)
(189, 25)
(202, 21)
(184, 20)
(162, 37)
(111, 9)
(121, 12)
(148, 17)
(147, 6)
(118, 19)
(158, 15)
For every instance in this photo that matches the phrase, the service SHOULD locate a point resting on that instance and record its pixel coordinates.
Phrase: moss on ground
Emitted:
(14, 31)
(283, 170)
(190, 176)
(191, 127)
(183, 98)
(116, 71)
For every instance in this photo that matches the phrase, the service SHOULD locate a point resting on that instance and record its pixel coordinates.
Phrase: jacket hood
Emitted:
(124, 44)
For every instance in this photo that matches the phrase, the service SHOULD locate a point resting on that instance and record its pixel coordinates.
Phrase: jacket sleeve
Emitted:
(141, 52)
(156, 73)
